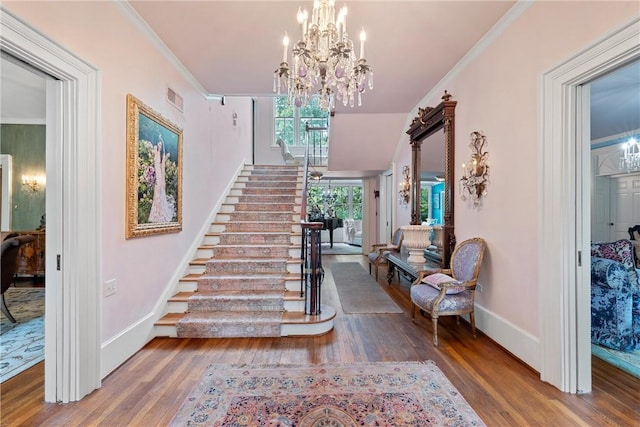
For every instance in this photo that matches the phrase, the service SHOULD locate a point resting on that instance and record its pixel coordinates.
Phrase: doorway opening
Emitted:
(565, 212)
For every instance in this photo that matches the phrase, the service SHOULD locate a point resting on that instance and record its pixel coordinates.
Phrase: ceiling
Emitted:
(233, 48)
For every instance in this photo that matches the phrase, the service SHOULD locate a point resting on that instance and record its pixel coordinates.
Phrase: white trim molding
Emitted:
(7, 190)
(142, 25)
(516, 340)
(72, 301)
(564, 285)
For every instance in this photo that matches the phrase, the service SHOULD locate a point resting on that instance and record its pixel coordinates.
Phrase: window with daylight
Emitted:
(340, 201)
(425, 197)
(290, 122)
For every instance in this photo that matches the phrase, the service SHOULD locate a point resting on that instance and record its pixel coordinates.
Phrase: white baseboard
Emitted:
(121, 347)
(518, 342)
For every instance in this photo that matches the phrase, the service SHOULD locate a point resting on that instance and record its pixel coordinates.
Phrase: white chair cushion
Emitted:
(435, 280)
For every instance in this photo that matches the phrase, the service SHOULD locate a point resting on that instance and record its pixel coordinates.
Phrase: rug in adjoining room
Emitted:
(22, 343)
(628, 361)
(380, 394)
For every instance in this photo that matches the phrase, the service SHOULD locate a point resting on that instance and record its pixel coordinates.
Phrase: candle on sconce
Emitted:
(285, 43)
(363, 37)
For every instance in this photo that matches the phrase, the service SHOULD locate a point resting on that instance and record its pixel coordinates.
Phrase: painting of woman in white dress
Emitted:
(155, 169)
(161, 211)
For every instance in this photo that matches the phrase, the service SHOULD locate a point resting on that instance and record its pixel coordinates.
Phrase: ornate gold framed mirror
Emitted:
(428, 122)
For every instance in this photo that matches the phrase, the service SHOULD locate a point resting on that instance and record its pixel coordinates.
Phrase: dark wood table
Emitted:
(329, 224)
(398, 262)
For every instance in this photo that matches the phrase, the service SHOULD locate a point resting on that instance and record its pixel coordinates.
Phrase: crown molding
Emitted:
(128, 10)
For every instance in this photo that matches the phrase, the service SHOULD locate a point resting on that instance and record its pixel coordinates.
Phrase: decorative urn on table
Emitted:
(416, 239)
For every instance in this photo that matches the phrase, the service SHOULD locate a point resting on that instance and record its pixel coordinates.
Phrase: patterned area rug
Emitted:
(628, 361)
(22, 343)
(374, 394)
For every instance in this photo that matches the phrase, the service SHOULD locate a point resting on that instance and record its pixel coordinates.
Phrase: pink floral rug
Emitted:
(373, 394)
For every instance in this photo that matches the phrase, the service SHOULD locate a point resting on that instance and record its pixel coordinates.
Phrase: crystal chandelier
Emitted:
(324, 61)
(630, 160)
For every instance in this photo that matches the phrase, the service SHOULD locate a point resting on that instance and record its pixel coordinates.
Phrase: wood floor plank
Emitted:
(148, 389)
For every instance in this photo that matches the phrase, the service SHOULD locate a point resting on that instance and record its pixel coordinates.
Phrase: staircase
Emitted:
(245, 279)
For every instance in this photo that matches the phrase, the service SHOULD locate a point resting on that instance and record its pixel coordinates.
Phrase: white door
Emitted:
(389, 203)
(601, 221)
(626, 205)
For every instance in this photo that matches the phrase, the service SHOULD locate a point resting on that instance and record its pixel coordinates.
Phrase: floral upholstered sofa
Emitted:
(615, 295)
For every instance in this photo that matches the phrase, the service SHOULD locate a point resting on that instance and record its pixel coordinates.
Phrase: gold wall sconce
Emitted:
(475, 174)
(405, 186)
(32, 183)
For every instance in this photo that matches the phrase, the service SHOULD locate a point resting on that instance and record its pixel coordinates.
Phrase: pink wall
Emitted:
(374, 133)
(498, 93)
(100, 33)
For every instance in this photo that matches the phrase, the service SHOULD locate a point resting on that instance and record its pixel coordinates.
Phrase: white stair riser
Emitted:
(313, 329)
(293, 285)
(296, 306)
(187, 286)
(165, 331)
(195, 269)
(223, 217)
(216, 228)
(204, 253)
(293, 268)
(211, 240)
(180, 307)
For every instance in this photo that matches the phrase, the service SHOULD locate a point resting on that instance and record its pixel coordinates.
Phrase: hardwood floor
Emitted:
(149, 388)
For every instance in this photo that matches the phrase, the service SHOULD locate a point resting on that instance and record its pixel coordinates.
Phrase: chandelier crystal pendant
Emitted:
(323, 61)
(630, 160)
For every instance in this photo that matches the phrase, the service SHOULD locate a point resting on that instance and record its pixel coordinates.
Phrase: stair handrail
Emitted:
(312, 273)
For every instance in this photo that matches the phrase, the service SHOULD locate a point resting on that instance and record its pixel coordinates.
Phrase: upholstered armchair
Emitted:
(10, 246)
(450, 292)
(378, 252)
(615, 296)
(286, 154)
(634, 235)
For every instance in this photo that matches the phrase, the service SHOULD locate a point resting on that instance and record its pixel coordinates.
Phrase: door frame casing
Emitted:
(563, 193)
(72, 301)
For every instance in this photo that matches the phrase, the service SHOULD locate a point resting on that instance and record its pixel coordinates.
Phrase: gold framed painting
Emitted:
(154, 172)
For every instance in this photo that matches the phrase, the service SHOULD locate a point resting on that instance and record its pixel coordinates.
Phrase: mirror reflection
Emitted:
(432, 179)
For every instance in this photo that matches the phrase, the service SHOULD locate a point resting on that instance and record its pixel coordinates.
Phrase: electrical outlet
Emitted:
(109, 287)
(478, 287)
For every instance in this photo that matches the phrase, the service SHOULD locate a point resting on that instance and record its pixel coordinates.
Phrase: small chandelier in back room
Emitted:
(630, 160)
(323, 61)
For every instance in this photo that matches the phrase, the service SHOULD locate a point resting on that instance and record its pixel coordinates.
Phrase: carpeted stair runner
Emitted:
(241, 293)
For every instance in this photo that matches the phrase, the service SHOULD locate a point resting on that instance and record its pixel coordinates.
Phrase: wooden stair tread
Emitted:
(169, 319)
(181, 296)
